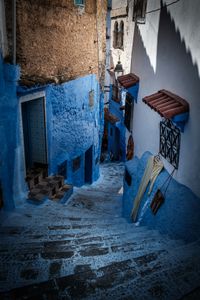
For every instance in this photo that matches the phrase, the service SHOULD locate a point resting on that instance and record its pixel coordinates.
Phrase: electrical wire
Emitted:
(157, 9)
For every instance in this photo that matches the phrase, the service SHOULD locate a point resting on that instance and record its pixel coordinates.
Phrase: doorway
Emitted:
(88, 165)
(34, 133)
(116, 145)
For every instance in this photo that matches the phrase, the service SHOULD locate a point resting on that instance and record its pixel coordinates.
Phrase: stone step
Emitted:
(119, 280)
(117, 242)
(38, 269)
(73, 231)
(171, 283)
(70, 256)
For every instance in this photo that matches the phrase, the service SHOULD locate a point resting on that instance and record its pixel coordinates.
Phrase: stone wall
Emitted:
(58, 41)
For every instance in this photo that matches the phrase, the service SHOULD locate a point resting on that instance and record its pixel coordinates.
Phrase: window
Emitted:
(115, 35)
(170, 142)
(128, 111)
(76, 163)
(139, 11)
(79, 2)
(62, 169)
(118, 35)
(121, 35)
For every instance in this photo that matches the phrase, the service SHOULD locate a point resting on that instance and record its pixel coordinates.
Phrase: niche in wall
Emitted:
(76, 163)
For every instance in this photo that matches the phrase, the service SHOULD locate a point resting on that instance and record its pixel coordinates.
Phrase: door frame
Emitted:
(27, 98)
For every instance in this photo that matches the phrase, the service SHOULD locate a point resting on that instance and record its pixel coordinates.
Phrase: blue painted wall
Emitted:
(179, 215)
(116, 145)
(73, 126)
(9, 74)
(73, 123)
(133, 90)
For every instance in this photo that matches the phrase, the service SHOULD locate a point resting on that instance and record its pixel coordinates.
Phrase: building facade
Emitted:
(52, 96)
(165, 117)
(165, 56)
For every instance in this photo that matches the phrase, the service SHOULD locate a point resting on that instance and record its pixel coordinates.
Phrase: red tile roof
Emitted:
(109, 117)
(128, 80)
(167, 104)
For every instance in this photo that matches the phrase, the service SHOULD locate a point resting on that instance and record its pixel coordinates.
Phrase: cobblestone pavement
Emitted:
(84, 249)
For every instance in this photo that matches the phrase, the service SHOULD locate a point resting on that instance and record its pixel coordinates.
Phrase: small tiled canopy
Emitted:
(128, 80)
(167, 104)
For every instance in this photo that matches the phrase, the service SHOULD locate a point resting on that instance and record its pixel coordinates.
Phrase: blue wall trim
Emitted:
(180, 120)
(133, 90)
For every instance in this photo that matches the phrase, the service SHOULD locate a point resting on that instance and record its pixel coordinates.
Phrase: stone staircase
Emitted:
(85, 250)
(43, 187)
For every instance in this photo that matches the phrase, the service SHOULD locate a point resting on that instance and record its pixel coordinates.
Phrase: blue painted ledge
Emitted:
(179, 215)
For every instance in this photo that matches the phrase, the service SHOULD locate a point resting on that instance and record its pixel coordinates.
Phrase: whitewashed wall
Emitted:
(166, 55)
(125, 55)
(118, 4)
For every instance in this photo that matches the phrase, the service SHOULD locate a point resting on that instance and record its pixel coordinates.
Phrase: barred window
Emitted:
(121, 35)
(139, 11)
(115, 35)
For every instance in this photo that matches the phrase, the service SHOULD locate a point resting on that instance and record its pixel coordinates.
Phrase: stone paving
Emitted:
(84, 249)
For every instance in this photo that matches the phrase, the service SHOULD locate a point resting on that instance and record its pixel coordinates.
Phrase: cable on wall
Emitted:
(157, 9)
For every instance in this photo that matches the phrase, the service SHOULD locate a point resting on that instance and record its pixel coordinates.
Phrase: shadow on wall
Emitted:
(179, 216)
(176, 72)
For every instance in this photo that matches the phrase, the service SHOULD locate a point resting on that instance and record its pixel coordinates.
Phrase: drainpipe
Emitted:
(14, 32)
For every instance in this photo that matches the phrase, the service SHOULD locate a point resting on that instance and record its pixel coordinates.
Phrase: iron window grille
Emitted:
(139, 11)
(128, 111)
(170, 138)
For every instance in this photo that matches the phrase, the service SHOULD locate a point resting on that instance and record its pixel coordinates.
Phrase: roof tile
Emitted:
(128, 80)
(167, 104)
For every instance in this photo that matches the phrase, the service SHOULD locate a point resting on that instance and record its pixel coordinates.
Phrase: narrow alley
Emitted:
(99, 157)
(84, 249)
